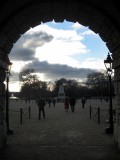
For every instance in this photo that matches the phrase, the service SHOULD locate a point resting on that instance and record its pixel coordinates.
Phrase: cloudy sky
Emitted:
(57, 50)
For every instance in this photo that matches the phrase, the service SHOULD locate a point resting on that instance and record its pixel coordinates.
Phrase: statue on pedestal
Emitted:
(61, 93)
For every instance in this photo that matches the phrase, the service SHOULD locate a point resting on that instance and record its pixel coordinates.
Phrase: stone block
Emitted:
(2, 75)
(3, 134)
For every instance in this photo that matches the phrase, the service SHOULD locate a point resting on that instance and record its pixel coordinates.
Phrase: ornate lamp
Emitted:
(108, 64)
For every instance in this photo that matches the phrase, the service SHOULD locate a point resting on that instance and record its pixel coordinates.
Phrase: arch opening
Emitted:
(69, 38)
(67, 45)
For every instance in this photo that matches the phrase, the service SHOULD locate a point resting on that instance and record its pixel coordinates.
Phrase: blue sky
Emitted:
(94, 43)
(58, 50)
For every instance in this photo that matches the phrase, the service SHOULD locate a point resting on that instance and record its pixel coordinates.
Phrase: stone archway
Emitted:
(27, 14)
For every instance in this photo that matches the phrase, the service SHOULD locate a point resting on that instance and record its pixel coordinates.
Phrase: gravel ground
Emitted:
(61, 135)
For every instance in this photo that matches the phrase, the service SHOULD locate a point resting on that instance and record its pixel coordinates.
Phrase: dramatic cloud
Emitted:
(53, 51)
(22, 54)
(25, 48)
(55, 71)
(34, 40)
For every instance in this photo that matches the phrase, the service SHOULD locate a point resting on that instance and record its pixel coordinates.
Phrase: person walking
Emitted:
(49, 102)
(66, 104)
(54, 102)
(83, 102)
(72, 103)
(41, 103)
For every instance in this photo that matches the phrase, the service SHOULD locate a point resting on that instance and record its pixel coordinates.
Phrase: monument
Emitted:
(13, 97)
(61, 94)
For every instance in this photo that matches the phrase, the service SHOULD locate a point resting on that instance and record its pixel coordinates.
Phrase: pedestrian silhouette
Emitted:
(66, 104)
(54, 102)
(41, 103)
(83, 102)
(72, 103)
(49, 102)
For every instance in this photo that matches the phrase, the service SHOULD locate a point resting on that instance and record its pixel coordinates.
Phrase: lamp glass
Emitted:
(9, 66)
(8, 70)
(108, 64)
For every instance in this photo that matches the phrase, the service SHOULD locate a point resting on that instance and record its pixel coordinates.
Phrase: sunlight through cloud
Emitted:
(59, 49)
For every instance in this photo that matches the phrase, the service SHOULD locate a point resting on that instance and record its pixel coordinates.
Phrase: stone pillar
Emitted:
(117, 106)
(3, 128)
(116, 66)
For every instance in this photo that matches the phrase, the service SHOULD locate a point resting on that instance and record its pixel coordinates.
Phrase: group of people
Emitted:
(51, 101)
(67, 102)
(72, 102)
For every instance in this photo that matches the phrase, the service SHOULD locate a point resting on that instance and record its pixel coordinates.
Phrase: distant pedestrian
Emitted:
(66, 104)
(83, 100)
(41, 103)
(72, 103)
(54, 102)
(49, 102)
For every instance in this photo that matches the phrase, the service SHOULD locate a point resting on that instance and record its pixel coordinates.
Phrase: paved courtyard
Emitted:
(62, 135)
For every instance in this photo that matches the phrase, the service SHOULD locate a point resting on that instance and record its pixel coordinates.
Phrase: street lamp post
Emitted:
(9, 131)
(108, 65)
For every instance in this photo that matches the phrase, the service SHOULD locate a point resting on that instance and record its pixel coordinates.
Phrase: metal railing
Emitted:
(23, 112)
(95, 112)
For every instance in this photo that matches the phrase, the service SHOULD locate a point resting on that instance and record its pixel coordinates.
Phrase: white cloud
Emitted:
(14, 86)
(62, 48)
(17, 65)
(59, 51)
(58, 33)
(89, 32)
(93, 63)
